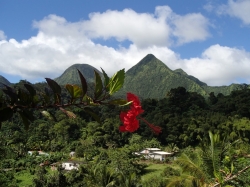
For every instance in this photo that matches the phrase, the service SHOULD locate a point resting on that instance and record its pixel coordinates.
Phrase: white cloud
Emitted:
(219, 65)
(239, 9)
(142, 29)
(209, 7)
(60, 44)
(2, 35)
(63, 44)
(191, 27)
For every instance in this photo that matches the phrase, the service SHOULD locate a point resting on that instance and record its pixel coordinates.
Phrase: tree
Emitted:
(212, 164)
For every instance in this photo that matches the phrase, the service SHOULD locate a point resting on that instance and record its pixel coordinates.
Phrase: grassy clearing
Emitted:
(24, 178)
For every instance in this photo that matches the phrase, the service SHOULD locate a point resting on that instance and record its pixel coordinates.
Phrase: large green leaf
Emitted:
(30, 88)
(120, 102)
(106, 80)
(54, 86)
(68, 113)
(88, 100)
(56, 89)
(74, 90)
(11, 93)
(83, 82)
(24, 98)
(48, 115)
(98, 85)
(116, 82)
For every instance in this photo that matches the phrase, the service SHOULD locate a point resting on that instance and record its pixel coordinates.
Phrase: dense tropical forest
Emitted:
(208, 136)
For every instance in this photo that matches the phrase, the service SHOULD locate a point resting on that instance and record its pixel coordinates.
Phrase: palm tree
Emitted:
(191, 172)
(131, 180)
(205, 165)
(99, 174)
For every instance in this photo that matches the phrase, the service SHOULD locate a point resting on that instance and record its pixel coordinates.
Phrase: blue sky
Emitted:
(207, 39)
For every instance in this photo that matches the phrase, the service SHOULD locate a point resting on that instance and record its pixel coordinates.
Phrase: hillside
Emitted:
(70, 75)
(151, 78)
(4, 81)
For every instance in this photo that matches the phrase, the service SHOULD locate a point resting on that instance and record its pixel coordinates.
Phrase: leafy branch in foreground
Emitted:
(26, 101)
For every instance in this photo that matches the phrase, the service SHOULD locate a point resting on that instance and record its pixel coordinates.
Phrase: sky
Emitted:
(207, 39)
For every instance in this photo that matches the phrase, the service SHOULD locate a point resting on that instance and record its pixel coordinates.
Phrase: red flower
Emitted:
(136, 104)
(130, 123)
(129, 120)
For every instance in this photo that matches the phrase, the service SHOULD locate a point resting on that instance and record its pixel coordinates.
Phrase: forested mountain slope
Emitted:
(3, 80)
(149, 78)
(70, 75)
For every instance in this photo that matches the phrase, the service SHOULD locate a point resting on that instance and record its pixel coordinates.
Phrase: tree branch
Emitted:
(232, 177)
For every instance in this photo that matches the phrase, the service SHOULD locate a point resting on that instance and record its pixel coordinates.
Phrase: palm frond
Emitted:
(189, 166)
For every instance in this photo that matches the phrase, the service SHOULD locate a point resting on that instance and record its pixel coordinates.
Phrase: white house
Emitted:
(69, 165)
(146, 152)
(160, 155)
(40, 153)
(155, 153)
(149, 150)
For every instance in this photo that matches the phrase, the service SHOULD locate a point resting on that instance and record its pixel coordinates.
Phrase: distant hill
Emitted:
(4, 81)
(225, 90)
(149, 78)
(181, 72)
(70, 75)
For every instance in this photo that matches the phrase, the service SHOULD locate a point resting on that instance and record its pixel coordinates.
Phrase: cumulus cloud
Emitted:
(142, 29)
(191, 27)
(239, 9)
(2, 35)
(219, 65)
(60, 44)
(209, 7)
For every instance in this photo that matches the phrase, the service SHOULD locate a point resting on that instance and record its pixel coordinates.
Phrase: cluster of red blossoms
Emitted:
(130, 117)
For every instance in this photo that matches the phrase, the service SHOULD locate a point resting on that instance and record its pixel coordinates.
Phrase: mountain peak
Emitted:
(3, 80)
(148, 58)
(148, 63)
(70, 75)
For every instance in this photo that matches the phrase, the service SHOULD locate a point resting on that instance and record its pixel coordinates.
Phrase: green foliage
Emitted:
(116, 81)
(71, 74)
(23, 102)
(75, 91)
(86, 121)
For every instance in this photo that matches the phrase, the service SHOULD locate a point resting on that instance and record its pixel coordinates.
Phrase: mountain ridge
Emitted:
(70, 75)
(149, 78)
(3, 80)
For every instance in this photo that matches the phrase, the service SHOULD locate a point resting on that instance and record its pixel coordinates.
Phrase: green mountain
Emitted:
(181, 72)
(71, 76)
(225, 90)
(151, 78)
(4, 81)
